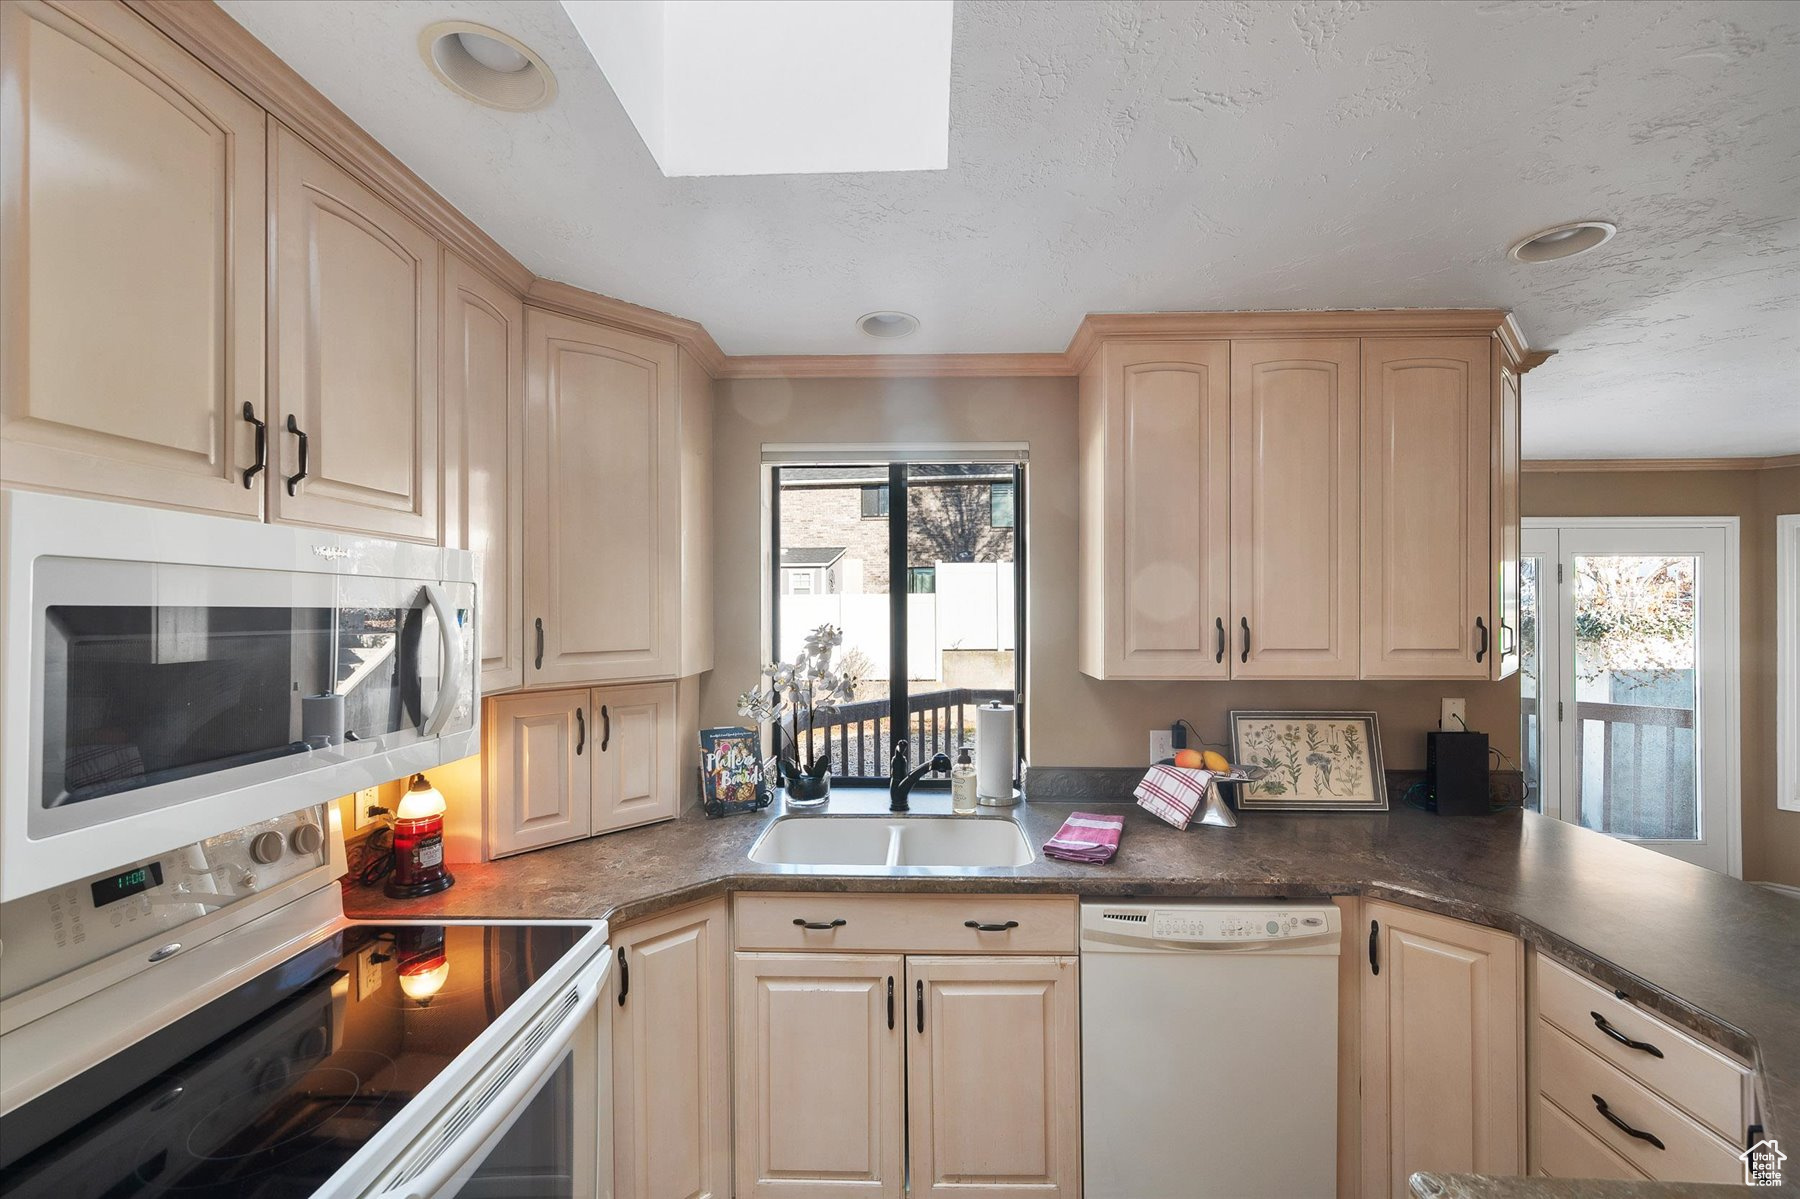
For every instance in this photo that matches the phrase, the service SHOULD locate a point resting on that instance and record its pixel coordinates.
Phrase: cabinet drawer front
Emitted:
(1571, 1077)
(1565, 1149)
(1690, 1074)
(906, 923)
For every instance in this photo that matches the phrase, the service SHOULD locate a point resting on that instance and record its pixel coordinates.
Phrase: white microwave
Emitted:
(166, 677)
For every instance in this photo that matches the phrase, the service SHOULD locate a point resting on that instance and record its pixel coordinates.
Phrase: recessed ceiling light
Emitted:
(888, 325)
(487, 66)
(1562, 241)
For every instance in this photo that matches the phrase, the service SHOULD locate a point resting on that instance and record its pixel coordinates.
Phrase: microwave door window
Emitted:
(374, 672)
(136, 696)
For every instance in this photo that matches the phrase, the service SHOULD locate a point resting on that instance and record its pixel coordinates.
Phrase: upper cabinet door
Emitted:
(355, 356)
(637, 779)
(602, 536)
(1294, 481)
(1427, 573)
(1156, 454)
(1506, 524)
(483, 377)
(131, 264)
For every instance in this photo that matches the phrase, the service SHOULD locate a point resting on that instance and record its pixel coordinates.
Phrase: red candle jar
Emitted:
(419, 843)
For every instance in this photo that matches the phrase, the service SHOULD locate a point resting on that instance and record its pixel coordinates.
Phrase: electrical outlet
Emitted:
(1453, 717)
(370, 972)
(1161, 745)
(360, 803)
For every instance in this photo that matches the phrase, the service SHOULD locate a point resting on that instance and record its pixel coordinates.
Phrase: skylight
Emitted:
(775, 87)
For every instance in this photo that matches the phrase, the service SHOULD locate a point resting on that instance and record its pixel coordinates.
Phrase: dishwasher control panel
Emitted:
(1222, 924)
(1248, 924)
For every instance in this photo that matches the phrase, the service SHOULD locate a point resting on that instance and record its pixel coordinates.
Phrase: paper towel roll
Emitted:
(996, 750)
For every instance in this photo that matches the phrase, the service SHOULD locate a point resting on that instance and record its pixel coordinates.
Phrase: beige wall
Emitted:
(1073, 720)
(1756, 497)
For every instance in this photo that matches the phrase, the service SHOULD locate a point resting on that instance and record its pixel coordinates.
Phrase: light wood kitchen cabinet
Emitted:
(563, 765)
(483, 381)
(672, 1056)
(1504, 535)
(537, 771)
(1294, 483)
(993, 1076)
(1442, 1047)
(1155, 422)
(819, 1069)
(636, 756)
(616, 434)
(1427, 573)
(354, 357)
(132, 272)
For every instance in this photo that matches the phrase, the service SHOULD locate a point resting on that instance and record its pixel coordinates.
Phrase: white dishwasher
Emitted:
(1209, 1050)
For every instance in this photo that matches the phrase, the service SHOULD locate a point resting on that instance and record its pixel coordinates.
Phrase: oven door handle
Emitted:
(450, 689)
(449, 1160)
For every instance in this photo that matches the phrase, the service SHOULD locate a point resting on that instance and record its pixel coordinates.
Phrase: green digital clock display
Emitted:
(124, 886)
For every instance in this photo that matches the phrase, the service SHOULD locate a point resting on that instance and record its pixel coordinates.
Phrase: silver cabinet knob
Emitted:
(267, 847)
(306, 838)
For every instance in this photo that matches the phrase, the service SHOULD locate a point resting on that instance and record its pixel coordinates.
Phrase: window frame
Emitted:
(1787, 658)
(898, 515)
(883, 501)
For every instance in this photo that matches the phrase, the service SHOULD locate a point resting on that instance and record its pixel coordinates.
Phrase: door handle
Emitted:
(1481, 627)
(605, 729)
(294, 481)
(450, 634)
(1374, 947)
(1628, 1130)
(580, 732)
(921, 1000)
(819, 926)
(540, 644)
(1600, 1023)
(624, 977)
(1245, 622)
(1219, 626)
(890, 1003)
(979, 927)
(262, 445)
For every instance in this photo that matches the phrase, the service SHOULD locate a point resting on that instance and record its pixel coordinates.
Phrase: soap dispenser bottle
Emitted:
(962, 782)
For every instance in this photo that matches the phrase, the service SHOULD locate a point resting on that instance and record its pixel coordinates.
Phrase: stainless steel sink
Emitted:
(893, 842)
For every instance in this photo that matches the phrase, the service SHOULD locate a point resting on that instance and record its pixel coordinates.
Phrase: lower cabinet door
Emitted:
(671, 1056)
(993, 1075)
(1442, 1049)
(635, 756)
(819, 1064)
(539, 782)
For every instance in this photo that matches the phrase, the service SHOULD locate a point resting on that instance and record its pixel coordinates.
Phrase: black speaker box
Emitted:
(1456, 773)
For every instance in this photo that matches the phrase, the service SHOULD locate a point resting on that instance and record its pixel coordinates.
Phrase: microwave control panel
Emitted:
(46, 935)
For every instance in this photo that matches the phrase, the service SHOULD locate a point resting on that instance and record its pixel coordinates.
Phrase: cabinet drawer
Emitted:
(1564, 1149)
(1689, 1073)
(1571, 1077)
(906, 923)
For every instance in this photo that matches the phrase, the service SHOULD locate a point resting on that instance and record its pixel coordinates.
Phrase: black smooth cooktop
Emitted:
(267, 1091)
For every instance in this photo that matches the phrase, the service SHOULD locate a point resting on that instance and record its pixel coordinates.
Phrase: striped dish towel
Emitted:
(1173, 794)
(1086, 837)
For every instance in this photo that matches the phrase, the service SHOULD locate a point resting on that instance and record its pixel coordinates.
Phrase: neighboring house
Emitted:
(960, 513)
(819, 570)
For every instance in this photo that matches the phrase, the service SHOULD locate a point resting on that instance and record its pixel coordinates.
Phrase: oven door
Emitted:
(535, 1124)
(171, 701)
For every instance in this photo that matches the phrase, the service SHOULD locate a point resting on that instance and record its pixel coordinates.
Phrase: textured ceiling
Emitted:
(1140, 156)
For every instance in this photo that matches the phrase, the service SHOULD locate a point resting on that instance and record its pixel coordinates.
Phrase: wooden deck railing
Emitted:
(1646, 757)
(859, 737)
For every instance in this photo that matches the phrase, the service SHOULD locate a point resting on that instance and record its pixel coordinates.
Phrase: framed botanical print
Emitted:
(1310, 761)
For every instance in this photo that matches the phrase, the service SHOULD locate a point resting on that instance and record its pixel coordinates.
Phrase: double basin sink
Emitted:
(892, 842)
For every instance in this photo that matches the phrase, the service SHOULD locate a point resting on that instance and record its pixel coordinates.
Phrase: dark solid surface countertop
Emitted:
(1705, 950)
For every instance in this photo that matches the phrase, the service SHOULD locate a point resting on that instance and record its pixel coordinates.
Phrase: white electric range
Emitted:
(206, 1022)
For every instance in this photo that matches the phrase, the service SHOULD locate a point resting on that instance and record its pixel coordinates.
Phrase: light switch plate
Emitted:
(360, 803)
(1161, 745)
(1454, 716)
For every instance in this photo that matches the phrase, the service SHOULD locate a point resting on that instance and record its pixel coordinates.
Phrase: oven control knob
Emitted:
(267, 847)
(306, 839)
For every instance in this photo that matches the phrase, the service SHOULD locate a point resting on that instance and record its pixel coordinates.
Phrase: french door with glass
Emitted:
(1628, 680)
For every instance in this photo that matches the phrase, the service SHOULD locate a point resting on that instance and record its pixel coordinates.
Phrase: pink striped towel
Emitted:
(1086, 837)
(1173, 794)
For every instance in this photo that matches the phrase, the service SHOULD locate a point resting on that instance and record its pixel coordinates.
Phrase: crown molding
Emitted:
(574, 301)
(232, 52)
(1633, 465)
(895, 366)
